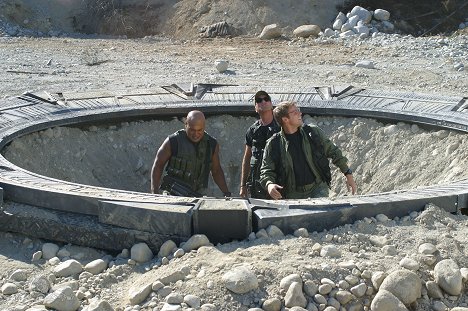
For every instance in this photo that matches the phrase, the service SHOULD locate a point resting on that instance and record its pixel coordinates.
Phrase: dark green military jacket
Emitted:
(278, 168)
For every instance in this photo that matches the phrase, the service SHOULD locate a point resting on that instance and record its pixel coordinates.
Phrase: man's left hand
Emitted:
(351, 184)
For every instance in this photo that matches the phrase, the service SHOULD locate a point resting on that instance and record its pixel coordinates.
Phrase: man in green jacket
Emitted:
(295, 163)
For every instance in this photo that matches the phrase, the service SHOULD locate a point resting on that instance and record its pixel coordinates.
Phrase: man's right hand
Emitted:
(274, 191)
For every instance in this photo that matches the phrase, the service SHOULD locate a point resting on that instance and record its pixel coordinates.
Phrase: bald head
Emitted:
(195, 116)
(195, 125)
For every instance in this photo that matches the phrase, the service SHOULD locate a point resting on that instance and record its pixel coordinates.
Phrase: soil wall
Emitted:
(185, 18)
(138, 18)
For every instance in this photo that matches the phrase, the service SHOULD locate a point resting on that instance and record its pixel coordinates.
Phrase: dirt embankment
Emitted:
(184, 19)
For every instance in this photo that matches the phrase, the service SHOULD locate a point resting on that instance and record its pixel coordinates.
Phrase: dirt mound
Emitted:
(185, 18)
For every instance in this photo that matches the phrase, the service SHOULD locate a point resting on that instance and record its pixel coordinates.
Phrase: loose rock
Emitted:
(270, 32)
(403, 284)
(196, 241)
(447, 275)
(62, 299)
(240, 280)
(141, 253)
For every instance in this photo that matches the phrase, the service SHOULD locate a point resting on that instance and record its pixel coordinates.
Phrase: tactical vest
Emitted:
(191, 163)
(319, 158)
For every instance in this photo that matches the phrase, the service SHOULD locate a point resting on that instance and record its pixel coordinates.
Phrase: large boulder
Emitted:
(306, 31)
(195, 242)
(270, 32)
(63, 299)
(447, 275)
(68, 268)
(381, 15)
(294, 296)
(141, 253)
(167, 248)
(240, 280)
(403, 284)
(386, 301)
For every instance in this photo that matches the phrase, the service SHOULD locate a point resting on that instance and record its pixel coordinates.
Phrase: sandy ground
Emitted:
(59, 64)
(402, 63)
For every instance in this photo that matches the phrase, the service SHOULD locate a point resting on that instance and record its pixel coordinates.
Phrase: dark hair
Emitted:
(282, 110)
(261, 94)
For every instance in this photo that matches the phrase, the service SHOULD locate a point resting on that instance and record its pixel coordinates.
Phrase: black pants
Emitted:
(255, 189)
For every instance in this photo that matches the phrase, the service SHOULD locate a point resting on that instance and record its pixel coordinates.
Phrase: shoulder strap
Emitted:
(210, 149)
(257, 124)
(174, 144)
(212, 144)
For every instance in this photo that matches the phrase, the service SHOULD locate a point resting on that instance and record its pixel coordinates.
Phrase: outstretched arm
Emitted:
(245, 171)
(274, 191)
(162, 156)
(334, 153)
(351, 184)
(217, 172)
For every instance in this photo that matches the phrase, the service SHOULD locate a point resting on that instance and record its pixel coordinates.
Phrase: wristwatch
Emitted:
(348, 172)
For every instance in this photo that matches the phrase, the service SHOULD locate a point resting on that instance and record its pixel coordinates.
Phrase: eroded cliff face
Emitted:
(42, 16)
(185, 18)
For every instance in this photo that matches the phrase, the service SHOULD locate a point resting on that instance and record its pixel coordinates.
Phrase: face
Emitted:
(263, 103)
(195, 130)
(294, 116)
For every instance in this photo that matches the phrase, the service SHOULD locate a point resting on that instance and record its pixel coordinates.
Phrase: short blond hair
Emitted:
(282, 110)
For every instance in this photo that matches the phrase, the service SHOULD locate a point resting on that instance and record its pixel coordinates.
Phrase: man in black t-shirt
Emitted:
(255, 140)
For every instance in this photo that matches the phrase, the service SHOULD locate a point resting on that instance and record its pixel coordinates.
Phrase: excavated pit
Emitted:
(76, 167)
(385, 157)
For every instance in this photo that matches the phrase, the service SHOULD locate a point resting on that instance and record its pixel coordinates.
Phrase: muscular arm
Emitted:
(245, 170)
(217, 171)
(162, 156)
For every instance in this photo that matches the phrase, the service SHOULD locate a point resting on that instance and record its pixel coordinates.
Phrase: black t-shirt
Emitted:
(302, 171)
(258, 134)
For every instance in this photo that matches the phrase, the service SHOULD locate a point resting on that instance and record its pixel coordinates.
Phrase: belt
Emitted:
(305, 188)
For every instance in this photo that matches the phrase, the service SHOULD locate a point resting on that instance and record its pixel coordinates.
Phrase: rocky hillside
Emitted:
(186, 18)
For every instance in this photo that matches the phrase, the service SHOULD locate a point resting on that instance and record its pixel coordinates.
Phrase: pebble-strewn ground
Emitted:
(374, 264)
